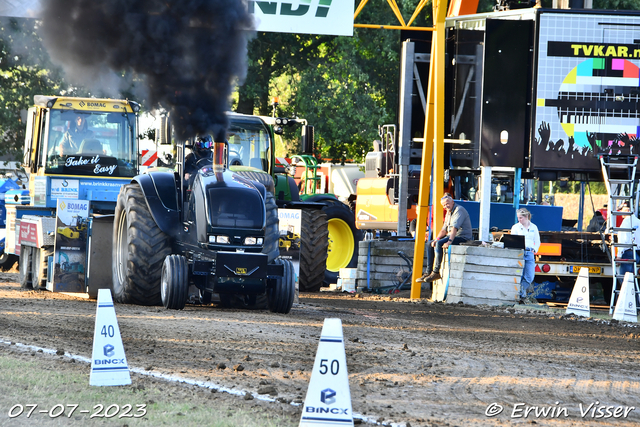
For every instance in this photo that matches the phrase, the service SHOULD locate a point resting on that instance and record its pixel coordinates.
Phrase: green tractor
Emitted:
(329, 239)
(342, 251)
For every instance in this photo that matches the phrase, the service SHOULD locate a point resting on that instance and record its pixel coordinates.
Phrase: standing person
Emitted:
(455, 230)
(524, 227)
(632, 224)
(72, 138)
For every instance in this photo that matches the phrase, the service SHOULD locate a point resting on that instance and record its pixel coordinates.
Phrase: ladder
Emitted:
(619, 172)
(310, 172)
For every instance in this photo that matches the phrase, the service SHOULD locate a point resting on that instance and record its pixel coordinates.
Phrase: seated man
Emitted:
(455, 230)
(78, 132)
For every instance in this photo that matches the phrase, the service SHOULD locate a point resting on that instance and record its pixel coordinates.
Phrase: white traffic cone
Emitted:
(579, 300)
(108, 362)
(626, 305)
(328, 401)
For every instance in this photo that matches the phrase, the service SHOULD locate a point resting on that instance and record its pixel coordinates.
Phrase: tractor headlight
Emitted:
(253, 241)
(219, 239)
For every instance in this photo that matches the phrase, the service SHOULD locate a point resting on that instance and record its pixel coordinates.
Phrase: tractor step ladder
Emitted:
(619, 174)
(310, 173)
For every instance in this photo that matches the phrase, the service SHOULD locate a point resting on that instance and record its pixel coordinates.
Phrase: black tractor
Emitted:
(177, 239)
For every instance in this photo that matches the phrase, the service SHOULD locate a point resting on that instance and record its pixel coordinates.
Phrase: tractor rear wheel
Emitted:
(272, 232)
(175, 282)
(344, 239)
(139, 250)
(281, 296)
(24, 265)
(314, 241)
(40, 266)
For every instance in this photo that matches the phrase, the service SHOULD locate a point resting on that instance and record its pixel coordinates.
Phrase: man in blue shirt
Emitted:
(455, 230)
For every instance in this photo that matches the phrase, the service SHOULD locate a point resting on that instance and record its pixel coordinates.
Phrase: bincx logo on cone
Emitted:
(579, 301)
(327, 396)
(108, 362)
(328, 401)
(626, 305)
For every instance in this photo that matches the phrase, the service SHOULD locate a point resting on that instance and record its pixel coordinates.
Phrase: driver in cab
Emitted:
(201, 155)
(72, 139)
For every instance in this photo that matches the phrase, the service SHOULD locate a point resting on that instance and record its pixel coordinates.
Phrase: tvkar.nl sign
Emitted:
(331, 17)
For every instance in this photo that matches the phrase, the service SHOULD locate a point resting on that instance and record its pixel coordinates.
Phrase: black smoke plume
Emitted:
(185, 54)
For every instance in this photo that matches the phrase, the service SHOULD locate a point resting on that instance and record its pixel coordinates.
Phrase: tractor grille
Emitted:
(236, 208)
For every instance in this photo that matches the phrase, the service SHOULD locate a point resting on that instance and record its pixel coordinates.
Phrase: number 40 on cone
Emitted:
(108, 362)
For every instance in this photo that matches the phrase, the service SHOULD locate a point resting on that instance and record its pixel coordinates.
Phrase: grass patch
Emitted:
(56, 384)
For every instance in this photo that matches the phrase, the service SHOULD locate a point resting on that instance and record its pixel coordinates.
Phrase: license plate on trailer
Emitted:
(594, 270)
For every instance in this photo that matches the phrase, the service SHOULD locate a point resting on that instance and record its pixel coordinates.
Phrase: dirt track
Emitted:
(409, 362)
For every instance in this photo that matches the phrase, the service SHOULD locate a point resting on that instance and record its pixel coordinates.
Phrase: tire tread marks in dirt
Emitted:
(281, 296)
(147, 248)
(175, 282)
(314, 241)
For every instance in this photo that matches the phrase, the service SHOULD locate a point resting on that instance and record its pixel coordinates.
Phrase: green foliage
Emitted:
(617, 4)
(345, 86)
(25, 71)
(341, 99)
(486, 5)
(271, 55)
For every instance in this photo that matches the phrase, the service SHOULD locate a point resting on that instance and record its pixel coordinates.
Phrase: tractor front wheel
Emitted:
(280, 297)
(175, 282)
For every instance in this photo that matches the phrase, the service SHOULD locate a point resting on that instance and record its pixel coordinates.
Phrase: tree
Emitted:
(25, 71)
(345, 100)
(269, 56)
(617, 4)
(345, 86)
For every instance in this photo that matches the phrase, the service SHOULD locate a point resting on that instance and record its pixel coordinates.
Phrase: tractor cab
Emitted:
(250, 144)
(89, 144)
